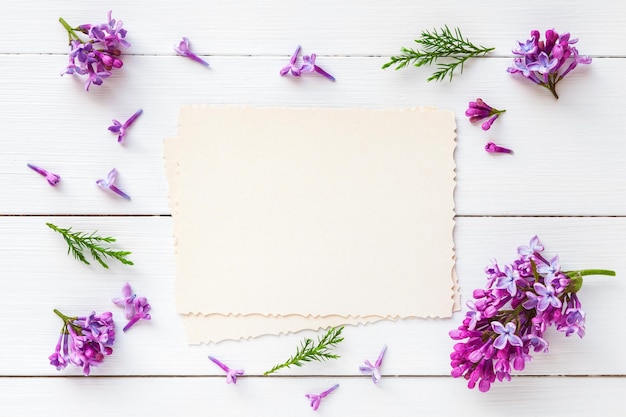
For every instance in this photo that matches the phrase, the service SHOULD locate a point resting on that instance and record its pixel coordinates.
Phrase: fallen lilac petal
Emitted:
(121, 129)
(295, 71)
(316, 399)
(184, 50)
(493, 148)
(231, 374)
(374, 369)
(141, 308)
(53, 179)
(109, 184)
(126, 301)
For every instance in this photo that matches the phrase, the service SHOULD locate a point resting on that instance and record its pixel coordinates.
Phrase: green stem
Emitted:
(70, 30)
(67, 320)
(584, 272)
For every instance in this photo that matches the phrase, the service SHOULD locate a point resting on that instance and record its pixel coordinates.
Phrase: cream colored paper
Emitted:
(363, 196)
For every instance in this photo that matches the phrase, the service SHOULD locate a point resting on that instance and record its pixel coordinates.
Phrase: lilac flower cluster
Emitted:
(506, 320)
(100, 54)
(548, 61)
(135, 308)
(84, 341)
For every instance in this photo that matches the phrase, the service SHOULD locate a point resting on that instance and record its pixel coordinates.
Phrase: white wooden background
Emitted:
(566, 182)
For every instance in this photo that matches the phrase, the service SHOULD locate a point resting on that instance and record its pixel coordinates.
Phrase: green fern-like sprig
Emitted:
(78, 242)
(310, 351)
(444, 43)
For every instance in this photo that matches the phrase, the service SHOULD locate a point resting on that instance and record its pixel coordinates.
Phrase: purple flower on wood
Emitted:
(53, 179)
(109, 184)
(231, 374)
(316, 399)
(121, 128)
(135, 308)
(183, 49)
(493, 148)
(309, 65)
(374, 370)
(547, 62)
(479, 110)
(292, 67)
(546, 296)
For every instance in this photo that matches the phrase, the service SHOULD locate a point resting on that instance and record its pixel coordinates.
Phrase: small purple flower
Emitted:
(493, 148)
(184, 50)
(509, 280)
(535, 246)
(53, 179)
(550, 271)
(317, 398)
(127, 301)
(135, 308)
(231, 374)
(292, 67)
(479, 110)
(546, 296)
(308, 66)
(121, 128)
(374, 369)
(543, 64)
(507, 335)
(109, 184)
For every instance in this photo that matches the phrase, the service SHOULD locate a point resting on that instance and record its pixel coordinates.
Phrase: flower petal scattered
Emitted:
(493, 148)
(53, 179)
(109, 184)
(309, 65)
(374, 369)
(316, 399)
(231, 374)
(135, 308)
(183, 49)
(121, 128)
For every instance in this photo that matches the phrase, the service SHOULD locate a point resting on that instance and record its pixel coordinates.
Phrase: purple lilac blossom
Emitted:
(135, 308)
(121, 128)
(84, 341)
(231, 374)
(99, 54)
(529, 295)
(183, 49)
(547, 62)
(109, 184)
(316, 399)
(479, 110)
(309, 65)
(53, 179)
(374, 369)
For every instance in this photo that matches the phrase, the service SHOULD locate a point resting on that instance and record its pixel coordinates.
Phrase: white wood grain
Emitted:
(190, 397)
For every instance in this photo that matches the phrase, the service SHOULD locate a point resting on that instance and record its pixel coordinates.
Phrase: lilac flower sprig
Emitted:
(231, 374)
(547, 62)
(183, 49)
(479, 110)
(316, 399)
(506, 321)
(135, 308)
(121, 128)
(374, 369)
(84, 341)
(97, 55)
(308, 66)
(53, 179)
(109, 184)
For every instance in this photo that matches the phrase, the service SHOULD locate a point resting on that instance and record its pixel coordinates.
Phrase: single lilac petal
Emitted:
(493, 148)
(487, 125)
(127, 301)
(184, 50)
(374, 369)
(231, 374)
(295, 71)
(310, 66)
(316, 399)
(141, 309)
(53, 179)
(109, 184)
(534, 246)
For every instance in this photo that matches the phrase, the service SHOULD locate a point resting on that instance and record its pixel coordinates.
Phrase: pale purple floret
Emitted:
(121, 128)
(109, 184)
(551, 271)
(127, 301)
(183, 49)
(507, 335)
(316, 399)
(292, 67)
(374, 369)
(53, 179)
(535, 246)
(508, 281)
(231, 374)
